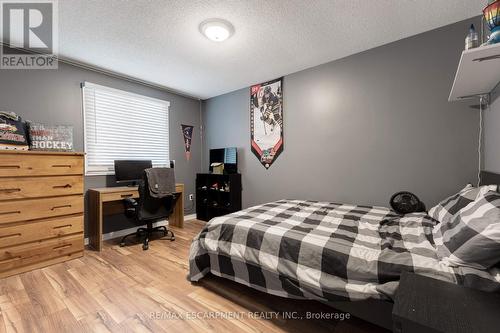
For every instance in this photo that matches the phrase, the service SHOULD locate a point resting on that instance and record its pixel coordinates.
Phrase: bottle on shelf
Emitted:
(472, 38)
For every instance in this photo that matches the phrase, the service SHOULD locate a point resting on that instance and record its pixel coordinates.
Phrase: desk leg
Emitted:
(95, 220)
(177, 217)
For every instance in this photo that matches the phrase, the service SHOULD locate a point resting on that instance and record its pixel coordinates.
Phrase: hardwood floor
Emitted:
(131, 290)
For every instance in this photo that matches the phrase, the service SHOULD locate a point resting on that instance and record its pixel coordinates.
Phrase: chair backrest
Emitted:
(151, 208)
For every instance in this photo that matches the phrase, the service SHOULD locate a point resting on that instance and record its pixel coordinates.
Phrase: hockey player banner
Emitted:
(187, 132)
(266, 121)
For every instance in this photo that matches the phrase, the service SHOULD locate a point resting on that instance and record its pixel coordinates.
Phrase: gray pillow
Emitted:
(473, 237)
(443, 212)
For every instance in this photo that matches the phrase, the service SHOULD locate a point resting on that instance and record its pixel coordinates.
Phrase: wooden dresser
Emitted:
(41, 209)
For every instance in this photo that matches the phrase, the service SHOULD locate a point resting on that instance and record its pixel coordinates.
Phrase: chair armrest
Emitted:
(130, 202)
(130, 207)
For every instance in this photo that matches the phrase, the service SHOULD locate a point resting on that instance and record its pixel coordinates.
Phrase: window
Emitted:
(123, 126)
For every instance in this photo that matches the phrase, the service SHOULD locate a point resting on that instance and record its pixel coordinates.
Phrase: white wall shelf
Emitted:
(478, 72)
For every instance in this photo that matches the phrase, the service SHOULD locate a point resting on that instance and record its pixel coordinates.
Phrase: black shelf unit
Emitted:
(211, 201)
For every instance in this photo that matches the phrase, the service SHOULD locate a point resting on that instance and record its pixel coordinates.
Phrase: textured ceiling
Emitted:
(158, 40)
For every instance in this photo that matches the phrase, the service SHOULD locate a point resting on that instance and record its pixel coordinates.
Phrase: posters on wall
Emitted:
(266, 121)
(187, 132)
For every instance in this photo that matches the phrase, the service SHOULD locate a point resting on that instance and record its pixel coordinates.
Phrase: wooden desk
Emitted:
(109, 200)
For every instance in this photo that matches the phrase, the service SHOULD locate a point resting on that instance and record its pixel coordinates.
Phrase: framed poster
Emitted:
(266, 121)
(51, 138)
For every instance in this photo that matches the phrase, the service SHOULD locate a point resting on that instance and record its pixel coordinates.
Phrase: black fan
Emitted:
(406, 202)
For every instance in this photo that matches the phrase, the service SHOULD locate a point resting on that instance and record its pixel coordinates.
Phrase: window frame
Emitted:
(102, 172)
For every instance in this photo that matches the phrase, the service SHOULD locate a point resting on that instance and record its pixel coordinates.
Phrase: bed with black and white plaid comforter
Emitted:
(324, 251)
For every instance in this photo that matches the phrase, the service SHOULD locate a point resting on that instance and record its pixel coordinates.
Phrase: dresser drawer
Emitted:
(16, 165)
(31, 209)
(45, 229)
(23, 255)
(34, 187)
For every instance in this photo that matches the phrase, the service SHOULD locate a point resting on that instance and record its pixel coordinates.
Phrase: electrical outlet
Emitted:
(191, 197)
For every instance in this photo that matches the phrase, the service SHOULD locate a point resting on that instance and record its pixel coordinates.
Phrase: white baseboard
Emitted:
(123, 232)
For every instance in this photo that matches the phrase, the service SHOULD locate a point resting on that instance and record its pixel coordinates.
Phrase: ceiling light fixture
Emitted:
(217, 30)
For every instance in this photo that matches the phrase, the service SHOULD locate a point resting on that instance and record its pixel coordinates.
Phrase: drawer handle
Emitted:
(10, 236)
(12, 212)
(10, 190)
(62, 186)
(60, 247)
(59, 207)
(5, 261)
(61, 166)
(127, 195)
(62, 226)
(10, 167)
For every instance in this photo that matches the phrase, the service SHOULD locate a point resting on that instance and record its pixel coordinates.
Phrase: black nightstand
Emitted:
(424, 304)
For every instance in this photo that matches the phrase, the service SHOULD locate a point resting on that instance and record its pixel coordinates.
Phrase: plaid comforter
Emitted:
(324, 251)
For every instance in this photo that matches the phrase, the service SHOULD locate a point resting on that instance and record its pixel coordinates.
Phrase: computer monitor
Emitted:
(131, 171)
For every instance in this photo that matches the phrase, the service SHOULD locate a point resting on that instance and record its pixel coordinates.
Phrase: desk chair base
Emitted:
(147, 233)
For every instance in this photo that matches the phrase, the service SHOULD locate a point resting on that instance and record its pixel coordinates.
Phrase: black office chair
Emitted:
(147, 210)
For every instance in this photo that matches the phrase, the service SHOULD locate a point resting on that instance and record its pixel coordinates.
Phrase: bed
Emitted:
(333, 253)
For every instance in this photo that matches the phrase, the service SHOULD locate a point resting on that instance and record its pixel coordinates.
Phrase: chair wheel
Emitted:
(172, 238)
(122, 244)
(145, 247)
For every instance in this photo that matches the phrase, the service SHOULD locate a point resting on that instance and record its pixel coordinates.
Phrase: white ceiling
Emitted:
(158, 40)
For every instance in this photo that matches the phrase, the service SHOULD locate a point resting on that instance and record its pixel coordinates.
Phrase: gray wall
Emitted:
(361, 128)
(54, 97)
(491, 134)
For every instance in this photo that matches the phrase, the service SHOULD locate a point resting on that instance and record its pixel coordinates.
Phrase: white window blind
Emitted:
(230, 156)
(123, 126)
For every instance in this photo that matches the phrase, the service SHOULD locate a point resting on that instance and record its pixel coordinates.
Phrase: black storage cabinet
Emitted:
(211, 201)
